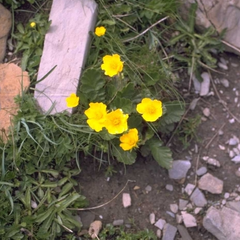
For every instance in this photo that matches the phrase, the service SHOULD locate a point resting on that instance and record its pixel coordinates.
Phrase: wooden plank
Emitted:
(66, 46)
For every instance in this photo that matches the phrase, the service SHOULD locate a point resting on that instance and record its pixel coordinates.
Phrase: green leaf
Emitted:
(125, 157)
(122, 103)
(161, 154)
(108, 22)
(174, 112)
(92, 84)
(20, 28)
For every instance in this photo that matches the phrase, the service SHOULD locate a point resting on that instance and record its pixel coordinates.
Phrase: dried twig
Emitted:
(221, 101)
(104, 204)
(231, 46)
(146, 30)
(215, 135)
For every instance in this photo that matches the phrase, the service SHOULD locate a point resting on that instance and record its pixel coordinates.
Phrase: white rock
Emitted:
(66, 47)
(95, 228)
(236, 159)
(205, 84)
(226, 195)
(160, 224)
(174, 208)
(118, 222)
(211, 184)
(197, 210)
(193, 103)
(189, 220)
(206, 112)
(225, 82)
(231, 154)
(189, 188)
(126, 200)
(169, 187)
(152, 218)
(212, 161)
(159, 233)
(233, 141)
(223, 66)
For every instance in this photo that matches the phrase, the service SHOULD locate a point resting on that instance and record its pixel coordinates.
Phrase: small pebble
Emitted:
(169, 187)
(118, 222)
(159, 233)
(152, 218)
(226, 195)
(232, 120)
(225, 83)
(148, 188)
(170, 214)
(206, 112)
(174, 208)
(201, 171)
(223, 66)
(224, 201)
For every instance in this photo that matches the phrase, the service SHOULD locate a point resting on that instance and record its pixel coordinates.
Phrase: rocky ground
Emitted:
(199, 198)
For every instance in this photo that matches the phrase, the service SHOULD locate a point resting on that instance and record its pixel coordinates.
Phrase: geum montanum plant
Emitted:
(122, 113)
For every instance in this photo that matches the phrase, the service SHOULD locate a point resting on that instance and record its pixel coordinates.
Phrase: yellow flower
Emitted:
(116, 122)
(100, 31)
(33, 24)
(72, 100)
(150, 109)
(96, 114)
(112, 65)
(129, 140)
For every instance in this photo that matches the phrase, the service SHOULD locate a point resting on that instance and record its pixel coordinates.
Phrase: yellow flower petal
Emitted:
(72, 100)
(100, 31)
(129, 140)
(96, 114)
(32, 24)
(116, 122)
(112, 65)
(150, 109)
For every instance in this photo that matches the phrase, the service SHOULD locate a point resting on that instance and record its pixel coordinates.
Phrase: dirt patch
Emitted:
(224, 106)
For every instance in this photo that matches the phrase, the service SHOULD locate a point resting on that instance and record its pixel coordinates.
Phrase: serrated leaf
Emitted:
(174, 112)
(125, 157)
(161, 154)
(122, 103)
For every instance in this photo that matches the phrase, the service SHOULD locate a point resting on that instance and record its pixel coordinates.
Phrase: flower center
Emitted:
(114, 65)
(116, 121)
(151, 110)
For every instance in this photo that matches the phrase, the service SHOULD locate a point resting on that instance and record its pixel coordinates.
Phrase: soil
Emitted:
(134, 179)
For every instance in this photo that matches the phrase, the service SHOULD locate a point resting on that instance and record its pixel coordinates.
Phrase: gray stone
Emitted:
(179, 169)
(152, 218)
(126, 200)
(170, 214)
(212, 161)
(66, 47)
(205, 84)
(223, 224)
(160, 224)
(174, 208)
(189, 220)
(182, 204)
(223, 66)
(211, 184)
(201, 171)
(224, 82)
(234, 206)
(169, 232)
(236, 159)
(198, 198)
(184, 232)
(220, 14)
(5, 26)
(169, 187)
(118, 222)
(189, 188)
(148, 188)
